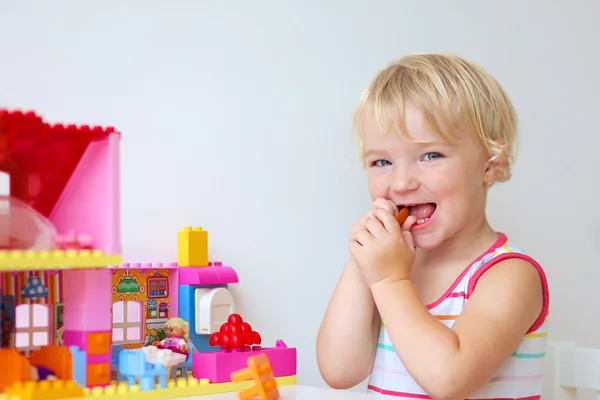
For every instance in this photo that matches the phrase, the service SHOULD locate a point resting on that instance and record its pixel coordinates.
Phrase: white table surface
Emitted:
(298, 393)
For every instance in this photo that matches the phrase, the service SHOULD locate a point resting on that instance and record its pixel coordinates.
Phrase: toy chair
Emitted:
(116, 350)
(185, 366)
(133, 364)
(570, 368)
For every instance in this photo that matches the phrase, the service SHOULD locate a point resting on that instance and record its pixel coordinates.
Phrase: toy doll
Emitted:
(177, 330)
(41, 373)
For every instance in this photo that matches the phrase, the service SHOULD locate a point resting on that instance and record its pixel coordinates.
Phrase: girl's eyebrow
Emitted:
(432, 143)
(373, 152)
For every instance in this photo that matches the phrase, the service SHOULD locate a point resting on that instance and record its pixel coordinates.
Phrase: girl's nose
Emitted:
(404, 180)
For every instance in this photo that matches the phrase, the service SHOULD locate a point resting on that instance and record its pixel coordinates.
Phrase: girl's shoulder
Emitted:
(501, 250)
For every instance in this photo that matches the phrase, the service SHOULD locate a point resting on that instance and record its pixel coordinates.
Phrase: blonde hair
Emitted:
(452, 93)
(179, 323)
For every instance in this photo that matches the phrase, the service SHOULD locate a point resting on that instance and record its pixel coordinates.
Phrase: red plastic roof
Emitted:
(39, 157)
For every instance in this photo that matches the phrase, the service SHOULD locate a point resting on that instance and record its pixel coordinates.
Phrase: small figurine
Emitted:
(40, 373)
(177, 330)
(59, 336)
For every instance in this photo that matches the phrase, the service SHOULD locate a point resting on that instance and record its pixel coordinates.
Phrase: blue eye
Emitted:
(432, 156)
(382, 163)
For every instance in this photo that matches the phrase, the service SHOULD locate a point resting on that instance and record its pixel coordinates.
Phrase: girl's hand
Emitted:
(377, 204)
(185, 348)
(382, 249)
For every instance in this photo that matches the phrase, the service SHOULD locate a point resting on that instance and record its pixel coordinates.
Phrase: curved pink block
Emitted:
(213, 274)
(218, 366)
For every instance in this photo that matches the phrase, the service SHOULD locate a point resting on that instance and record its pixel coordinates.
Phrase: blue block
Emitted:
(79, 366)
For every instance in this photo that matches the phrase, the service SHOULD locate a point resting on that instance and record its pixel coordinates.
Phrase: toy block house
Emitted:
(59, 230)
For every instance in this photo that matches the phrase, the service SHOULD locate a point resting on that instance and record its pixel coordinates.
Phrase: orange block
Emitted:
(98, 343)
(259, 370)
(55, 357)
(98, 374)
(13, 368)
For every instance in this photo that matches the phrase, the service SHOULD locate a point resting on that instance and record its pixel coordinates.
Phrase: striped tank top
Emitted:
(521, 377)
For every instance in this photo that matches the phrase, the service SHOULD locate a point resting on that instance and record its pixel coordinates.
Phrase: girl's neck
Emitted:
(464, 246)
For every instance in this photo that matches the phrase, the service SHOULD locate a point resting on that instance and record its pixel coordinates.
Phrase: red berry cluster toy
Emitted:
(235, 334)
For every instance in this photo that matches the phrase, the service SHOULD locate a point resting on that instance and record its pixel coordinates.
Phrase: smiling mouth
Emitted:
(422, 211)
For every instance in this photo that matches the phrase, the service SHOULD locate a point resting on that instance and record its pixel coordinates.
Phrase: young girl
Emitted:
(178, 331)
(443, 306)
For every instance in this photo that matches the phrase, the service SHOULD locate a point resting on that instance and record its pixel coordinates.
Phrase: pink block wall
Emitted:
(218, 366)
(89, 204)
(87, 300)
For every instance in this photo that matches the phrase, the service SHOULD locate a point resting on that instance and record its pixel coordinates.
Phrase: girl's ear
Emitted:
(496, 164)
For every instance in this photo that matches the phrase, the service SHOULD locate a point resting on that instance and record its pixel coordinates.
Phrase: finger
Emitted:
(408, 224)
(387, 205)
(361, 236)
(375, 226)
(353, 248)
(388, 220)
(408, 239)
(360, 224)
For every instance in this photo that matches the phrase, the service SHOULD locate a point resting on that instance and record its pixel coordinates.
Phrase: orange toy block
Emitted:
(259, 370)
(57, 358)
(13, 368)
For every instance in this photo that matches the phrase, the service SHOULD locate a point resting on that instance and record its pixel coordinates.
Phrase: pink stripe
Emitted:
(401, 372)
(518, 378)
(390, 371)
(536, 397)
(504, 256)
(398, 394)
(457, 294)
(424, 396)
(499, 242)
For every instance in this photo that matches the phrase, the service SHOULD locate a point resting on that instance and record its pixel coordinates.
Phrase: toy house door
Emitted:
(213, 307)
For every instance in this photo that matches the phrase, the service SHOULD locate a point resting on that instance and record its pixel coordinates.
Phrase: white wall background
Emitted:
(236, 117)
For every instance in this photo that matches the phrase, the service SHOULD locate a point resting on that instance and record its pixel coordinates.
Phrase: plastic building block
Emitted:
(48, 152)
(148, 273)
(53, 389)
(135, 364)
(17, 260)
(180, 388)
(218, 366)
(98, 343)
(259, 370)
(68, 173)
(211, 306)
(72, 241)
(192, 247)
(213, 274)
(235, 334)
(79, 365)
(56, 358)
(13, 368)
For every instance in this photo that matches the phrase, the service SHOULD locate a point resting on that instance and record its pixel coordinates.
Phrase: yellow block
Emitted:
(24, 260)
(182, 387)
(192, 247)
(43, 390)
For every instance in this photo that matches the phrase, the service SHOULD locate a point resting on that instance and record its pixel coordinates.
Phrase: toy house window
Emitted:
(127, 322)
(32, 326)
